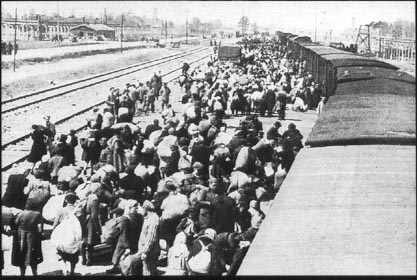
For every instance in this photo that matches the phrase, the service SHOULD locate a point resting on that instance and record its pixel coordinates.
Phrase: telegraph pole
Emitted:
(315, 31)
(186, 27)
(121, 37)
(166, 31)
(14, 48)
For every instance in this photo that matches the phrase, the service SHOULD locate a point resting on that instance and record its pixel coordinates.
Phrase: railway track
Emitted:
(12, 104)
(44, 103)
(17, 149)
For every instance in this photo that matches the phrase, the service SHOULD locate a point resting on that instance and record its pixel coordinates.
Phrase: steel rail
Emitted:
(97, 82)
(61, 121)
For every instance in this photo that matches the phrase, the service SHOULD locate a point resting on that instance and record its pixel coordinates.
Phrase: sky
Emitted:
(287, 16)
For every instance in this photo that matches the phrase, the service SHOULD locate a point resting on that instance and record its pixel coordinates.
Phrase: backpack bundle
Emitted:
(67, 236)
(200, 263)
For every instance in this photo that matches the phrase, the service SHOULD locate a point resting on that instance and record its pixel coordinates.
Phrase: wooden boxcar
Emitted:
(230, 53)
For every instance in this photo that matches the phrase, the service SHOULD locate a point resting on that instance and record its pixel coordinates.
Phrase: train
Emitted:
(230, 53)
(348, 203)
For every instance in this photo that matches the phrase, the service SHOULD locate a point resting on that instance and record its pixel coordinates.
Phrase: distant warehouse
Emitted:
(93, 31)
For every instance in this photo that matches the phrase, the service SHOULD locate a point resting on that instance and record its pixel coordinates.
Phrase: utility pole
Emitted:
(166, 31)
(105, 17)
(315, 31)
(121, 37)
(14, 48)
(186, 27)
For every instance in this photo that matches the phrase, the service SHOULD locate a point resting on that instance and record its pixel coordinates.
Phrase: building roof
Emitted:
(341, 211)
(95, 27)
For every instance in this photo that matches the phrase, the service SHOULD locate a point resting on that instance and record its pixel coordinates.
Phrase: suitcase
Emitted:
(102, 253)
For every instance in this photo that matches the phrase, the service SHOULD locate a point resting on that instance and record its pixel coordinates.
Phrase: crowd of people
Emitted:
(7, 48)
(179, 190)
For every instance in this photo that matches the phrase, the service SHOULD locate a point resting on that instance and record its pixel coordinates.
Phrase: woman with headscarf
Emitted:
(178, 256)
(27, 247)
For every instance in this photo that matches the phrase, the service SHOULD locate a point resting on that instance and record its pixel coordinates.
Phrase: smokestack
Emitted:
(353, 23)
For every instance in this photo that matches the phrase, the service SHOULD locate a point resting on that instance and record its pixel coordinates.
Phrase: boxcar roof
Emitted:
(341, 211)
(320, 50)
(352, 72)
(359, 114)
(346, 59)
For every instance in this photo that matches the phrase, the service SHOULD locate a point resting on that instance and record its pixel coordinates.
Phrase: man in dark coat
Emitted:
(151, 128)
(14, 196)
(39, 146)
(133, 185)
(223, 211)
(270, 100)
(185, 68)
(129, 227)
(282, 99)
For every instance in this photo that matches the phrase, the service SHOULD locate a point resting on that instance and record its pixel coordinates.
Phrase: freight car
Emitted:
(348, 204)
(230, 53)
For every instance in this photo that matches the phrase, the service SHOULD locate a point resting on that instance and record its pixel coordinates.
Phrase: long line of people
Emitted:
(184, 192)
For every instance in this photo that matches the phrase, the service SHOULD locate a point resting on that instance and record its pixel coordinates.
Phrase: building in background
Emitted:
(93, 32)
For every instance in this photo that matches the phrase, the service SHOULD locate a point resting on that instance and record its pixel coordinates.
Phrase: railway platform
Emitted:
(303, 120)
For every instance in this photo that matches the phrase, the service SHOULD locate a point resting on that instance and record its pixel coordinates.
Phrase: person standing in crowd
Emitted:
(14, 195)
(9, 48)
(167, 113)
(128, 228)
(223, 214)
(282, 99)
(151, 128)
(165, 92)
(203, 242)
(150, 98)
(73, 142)
(38, 147)
(69, 209)
(173, 208)
(51, 131)
(38, 190)
(178, 256)
(93, 229)
(148, 247)
(185, 68)
(27, 247)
